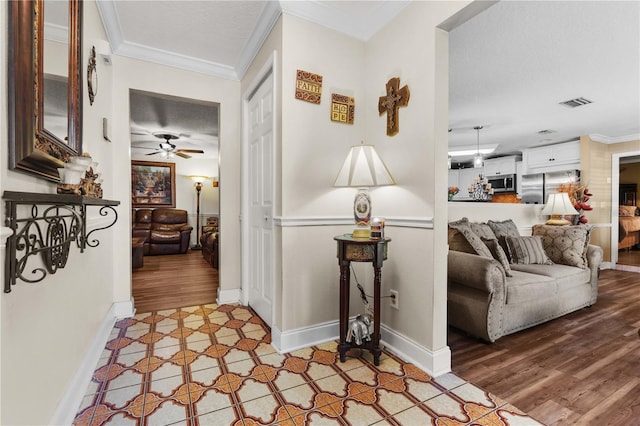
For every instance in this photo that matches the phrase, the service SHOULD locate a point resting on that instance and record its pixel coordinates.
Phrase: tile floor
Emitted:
(214, 365)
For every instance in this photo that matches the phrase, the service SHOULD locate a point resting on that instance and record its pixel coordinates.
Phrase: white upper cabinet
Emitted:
(500, 166)
(552, 155)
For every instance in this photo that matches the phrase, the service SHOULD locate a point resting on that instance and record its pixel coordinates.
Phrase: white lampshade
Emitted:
(363, 167)
(199, 179)
(558, 205)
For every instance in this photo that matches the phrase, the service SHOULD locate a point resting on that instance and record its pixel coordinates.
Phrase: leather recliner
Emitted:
(166, 231)
(209, 241)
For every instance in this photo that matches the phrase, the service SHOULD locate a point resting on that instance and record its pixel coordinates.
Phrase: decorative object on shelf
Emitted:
(361, 169)
(342, 108)
(480, 189)
(153, 184)
(394, 99)
(558, 206)
(452, 191)
(33, 147)
(78, 177)
(477, 159)
(308, 86)
(199, 180)
(92, 76)
(579, 196)
(377, 228)
(54, 222)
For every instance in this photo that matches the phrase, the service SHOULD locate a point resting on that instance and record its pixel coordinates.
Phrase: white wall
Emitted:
(312, 149)
(134, 74)
(47, 328)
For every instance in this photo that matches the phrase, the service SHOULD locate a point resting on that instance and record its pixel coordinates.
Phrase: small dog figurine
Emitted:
(360, 329)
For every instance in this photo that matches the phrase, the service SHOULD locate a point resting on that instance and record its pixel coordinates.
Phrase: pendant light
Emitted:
(477, 159)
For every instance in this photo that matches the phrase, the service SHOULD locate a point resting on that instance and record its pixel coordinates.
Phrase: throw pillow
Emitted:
(498, 254)
(483, 231)
(627, 211)
(503, 229)
(566, 245)
(457, 241)
(527, 250)
(472, 239)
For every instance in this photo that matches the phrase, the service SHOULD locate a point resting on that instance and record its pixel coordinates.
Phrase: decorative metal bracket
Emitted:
(55, 221)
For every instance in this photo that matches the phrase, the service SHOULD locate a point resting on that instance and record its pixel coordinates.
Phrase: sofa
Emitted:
(165, 231)
(500, 282)
(209, 241)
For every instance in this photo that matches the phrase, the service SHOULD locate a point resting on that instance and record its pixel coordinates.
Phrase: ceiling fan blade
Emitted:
(142, 147)
(153, 153)
(192, 151)
(180, 154)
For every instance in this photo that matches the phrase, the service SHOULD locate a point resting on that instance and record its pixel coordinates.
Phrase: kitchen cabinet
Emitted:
(500, 166)
(552, 155)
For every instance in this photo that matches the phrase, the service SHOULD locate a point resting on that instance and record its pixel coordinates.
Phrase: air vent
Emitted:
(573, 103)
(546, 132)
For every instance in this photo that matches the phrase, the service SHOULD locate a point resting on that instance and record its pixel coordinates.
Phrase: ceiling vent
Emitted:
(573, 103)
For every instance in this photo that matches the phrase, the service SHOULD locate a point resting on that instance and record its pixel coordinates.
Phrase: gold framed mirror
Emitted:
(39, 141)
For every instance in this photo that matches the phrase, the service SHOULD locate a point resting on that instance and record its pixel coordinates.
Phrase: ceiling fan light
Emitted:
(163, 154)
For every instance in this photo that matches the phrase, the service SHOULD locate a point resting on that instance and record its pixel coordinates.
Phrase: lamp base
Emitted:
(197, 247)
(361, 233)
(557, 220)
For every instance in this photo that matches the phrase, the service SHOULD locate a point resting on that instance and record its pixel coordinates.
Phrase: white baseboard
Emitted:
(606, 265)
(228, 296)
(71, 400)
(289, 341)
(435, 363)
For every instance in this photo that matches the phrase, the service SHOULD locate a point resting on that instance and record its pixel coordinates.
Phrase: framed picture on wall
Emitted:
(153, 184)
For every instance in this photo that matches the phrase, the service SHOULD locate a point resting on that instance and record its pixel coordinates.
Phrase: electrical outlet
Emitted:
(394, 299)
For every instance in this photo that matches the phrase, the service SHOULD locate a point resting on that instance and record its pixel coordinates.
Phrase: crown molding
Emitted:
(56, 33)
(270, 15)
(609, 140)
(111, 23)
(171, 59)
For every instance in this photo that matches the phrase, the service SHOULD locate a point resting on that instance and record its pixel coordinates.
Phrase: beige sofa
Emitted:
(488, 298)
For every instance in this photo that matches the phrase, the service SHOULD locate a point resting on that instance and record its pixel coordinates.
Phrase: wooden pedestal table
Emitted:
(360, 250)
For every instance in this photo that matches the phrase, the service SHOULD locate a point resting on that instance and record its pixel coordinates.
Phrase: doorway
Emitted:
(625, 232)
(181, 135)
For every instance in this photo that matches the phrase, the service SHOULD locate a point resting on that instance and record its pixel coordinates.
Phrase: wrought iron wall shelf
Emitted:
(54, 222)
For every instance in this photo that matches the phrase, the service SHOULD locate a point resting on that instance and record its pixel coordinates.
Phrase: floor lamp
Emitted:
(198, 180)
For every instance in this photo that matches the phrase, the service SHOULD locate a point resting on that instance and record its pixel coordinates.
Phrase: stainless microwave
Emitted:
(503, 183)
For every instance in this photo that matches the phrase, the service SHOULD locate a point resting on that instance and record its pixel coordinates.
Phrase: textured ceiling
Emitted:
(510, 66)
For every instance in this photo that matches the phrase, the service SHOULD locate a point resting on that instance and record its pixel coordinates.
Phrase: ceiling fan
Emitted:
(168, 149)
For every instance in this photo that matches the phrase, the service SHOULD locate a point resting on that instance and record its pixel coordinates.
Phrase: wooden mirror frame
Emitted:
(32, 148)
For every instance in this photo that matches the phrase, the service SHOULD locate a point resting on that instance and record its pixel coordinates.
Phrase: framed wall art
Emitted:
(153, 184)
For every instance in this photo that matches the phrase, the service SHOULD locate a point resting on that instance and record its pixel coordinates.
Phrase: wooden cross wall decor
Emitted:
(390, 103)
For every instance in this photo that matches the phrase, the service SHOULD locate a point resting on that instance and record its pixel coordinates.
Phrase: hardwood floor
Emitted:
(629, 257)
(581, 369)
(174, 281)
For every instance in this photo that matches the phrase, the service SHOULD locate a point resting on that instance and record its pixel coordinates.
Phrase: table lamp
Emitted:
(362, 169)
(558, 206)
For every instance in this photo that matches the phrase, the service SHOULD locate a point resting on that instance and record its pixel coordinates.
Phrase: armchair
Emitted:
(166, 231)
